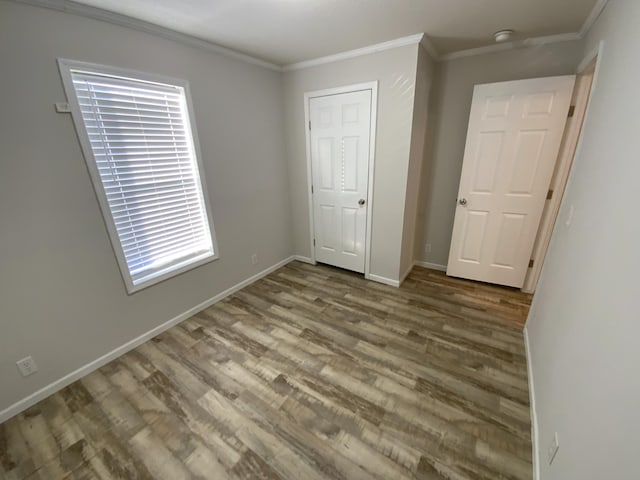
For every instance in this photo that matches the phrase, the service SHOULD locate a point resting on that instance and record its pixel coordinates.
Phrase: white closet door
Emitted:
(340, 133)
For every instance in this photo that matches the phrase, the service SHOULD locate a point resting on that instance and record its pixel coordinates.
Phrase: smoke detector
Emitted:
(503, 35)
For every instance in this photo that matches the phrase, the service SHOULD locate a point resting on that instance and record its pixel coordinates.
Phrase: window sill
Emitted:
(169, 272)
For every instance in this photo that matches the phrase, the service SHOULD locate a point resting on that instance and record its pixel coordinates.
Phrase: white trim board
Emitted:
(596, 11)
(532, 402)
(87, 11)
(59, 384)
(358, 52)
(303, 259)
(432, 266)
(387, 281)
(501, 47)
(430, 48)
(82, 10)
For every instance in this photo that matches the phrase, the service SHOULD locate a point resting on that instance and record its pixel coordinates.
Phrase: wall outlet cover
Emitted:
(27, 366)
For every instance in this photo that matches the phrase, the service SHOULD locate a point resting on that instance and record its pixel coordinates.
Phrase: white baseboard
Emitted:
(385, 280)
(303, 259)
(432, 266)
(59, 384)
(534, 416)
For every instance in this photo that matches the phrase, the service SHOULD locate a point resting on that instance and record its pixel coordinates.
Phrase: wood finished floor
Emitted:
(311, 373)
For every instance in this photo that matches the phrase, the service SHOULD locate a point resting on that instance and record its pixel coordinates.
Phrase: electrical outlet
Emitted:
(427, 248)
(254, 259)
(553, 448)
(27, 366)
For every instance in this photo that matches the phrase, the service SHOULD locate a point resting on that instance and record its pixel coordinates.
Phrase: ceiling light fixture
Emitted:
(503, 35)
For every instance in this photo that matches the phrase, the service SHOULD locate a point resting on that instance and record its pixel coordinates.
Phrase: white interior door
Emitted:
(340, 134)
(515, 130)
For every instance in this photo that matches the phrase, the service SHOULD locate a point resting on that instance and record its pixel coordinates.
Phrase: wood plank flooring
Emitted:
(310, 373)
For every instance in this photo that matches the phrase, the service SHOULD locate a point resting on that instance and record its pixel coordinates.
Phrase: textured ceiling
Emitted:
(289, 31)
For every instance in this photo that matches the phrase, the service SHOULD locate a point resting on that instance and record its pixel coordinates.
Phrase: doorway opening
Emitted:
(340, 142)
(586, 78)
(523, 137)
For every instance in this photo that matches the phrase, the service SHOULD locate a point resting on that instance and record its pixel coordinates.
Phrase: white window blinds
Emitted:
(141, 141)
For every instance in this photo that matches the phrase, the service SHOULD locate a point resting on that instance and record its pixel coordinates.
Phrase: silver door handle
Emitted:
(361, 202)
(462, 201)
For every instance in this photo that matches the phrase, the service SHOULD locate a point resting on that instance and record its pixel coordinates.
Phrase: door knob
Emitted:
(462, 201)
(361, 202)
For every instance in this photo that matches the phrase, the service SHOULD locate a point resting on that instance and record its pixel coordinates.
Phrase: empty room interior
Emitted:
(310, 239)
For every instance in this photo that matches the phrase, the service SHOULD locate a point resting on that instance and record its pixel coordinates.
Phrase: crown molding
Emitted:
(596, 11)
(74, 8)
(501, 47)
(430, 48)
(358, 52)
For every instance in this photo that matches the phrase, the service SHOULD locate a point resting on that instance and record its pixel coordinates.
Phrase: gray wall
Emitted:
(425, 73)
(395, 71)
(62, 298)
(584, 325)
(452, 96)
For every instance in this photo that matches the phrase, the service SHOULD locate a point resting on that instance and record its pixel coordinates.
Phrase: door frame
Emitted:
(590, 65)
(358, 87)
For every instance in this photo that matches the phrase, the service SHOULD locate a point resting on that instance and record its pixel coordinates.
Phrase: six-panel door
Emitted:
(340, 134)
(514, 134)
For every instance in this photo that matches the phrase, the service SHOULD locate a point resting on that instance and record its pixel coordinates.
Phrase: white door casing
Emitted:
(514, 134)
(340, 133)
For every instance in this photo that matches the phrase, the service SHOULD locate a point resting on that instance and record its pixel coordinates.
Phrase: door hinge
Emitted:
(549, 194)
(309, 124)
(531, 263)
(314, 242)
(572, 111)
(311, 189)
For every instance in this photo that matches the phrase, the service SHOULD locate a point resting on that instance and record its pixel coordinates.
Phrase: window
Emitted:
(138, 138)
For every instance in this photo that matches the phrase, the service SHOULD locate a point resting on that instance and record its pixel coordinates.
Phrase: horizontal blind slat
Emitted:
(182, 256)
(129, 234)
(155, 134)
(112, 108)
(149, 211)
(123, 88)
(140, 154)
(129, 121)
(152, 243)
(162, 228)
(144, 180)
(160, 258)
(167, 251)
(123, 171)
(146, 162)
(131, 190)
(118, 129)
(150, 194)
(129, 116)
(151, 215)
(90, 96)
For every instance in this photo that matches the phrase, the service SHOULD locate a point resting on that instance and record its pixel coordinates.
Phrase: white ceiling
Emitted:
(289, 31)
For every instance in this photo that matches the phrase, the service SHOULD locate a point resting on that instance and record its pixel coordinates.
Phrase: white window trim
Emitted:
(65, 67)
